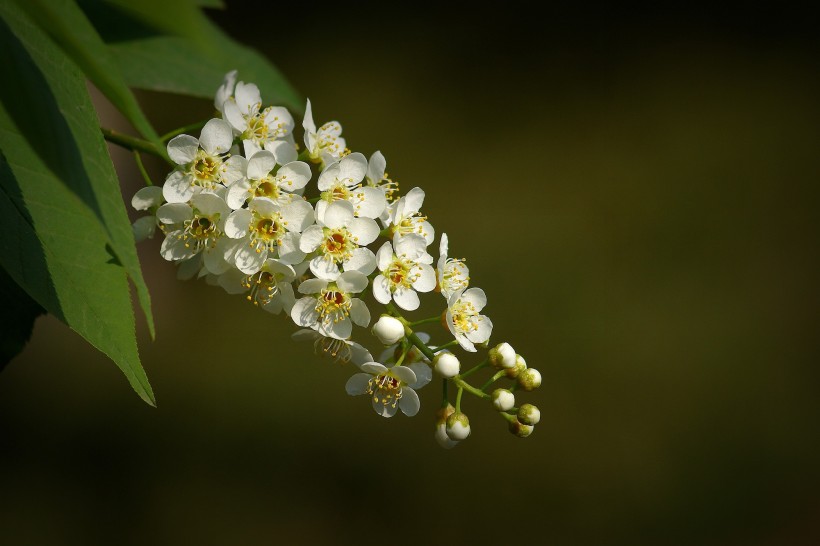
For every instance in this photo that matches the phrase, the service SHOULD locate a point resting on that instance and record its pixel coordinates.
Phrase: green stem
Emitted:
(447, 345)
(410, 335)
(445, 399)
(141, 167)
(458, 399)
(426, 321)
(132, 143)
(475, 369)
(469, 388)
(192, 127)
(493, 379)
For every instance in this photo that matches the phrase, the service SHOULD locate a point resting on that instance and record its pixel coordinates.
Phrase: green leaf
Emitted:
(68, 26)
(16, 318)
(192, 60)
(67, 240)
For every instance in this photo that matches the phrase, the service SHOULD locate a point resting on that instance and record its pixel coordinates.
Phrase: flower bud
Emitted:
(388, 329)
(458, 427)
(520, 429)
(503, 399)
(441, 437)
(529, 414)
(502, 356)
(446, 364)
(529, 379)
(520, 366)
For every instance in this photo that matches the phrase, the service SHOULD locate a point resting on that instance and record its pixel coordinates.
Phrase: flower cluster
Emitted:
(239, 209)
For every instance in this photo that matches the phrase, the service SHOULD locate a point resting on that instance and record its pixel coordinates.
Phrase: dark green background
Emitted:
(636, 193)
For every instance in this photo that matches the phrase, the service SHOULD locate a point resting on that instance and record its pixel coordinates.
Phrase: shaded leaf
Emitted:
(16, 318)
(67, 239)
(68, 26)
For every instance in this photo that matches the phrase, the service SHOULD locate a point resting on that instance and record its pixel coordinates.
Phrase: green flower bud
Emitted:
(529, 414)
(520, 366)
(503, 400)
(520, 429)
(529, 379)
(458, 427)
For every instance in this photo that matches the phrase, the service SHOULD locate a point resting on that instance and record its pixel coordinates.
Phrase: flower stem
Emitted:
(458, 399)
(447, 345)
(437, 318)
(192, 127)
(445, 396)
(474, 369)
(141, 167)
(469, 388)
(132, 143)
(493, 379)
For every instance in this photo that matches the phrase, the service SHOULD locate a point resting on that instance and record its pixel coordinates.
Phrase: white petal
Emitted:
(405, 374)
(281, 270)
(381, 289)
(178, 188)
(364, 229)
(359, 313)
(148, 197)
(260, 165)
(374, 368)
(358, 384)
(328, 177)
(411, 246)
(214, 259)
(298, 215)
(264, 206)
(182, 149)
(173, 247)
(424, 374)
(363, 261)
(304, 312)
(312, 286)
(284, 151)
(409, 403)
(384, 256)
(339, 330)
(352, 168)
(144, 228)
(426, 281)
(339, 214)
(189, 268)
(475, 296)
(413, 201)
(406, 298)
(248, 260)
(428, 231)
(385, 410)
(295, 174)
(236, 226)
(216, 137)
(465, 343)
(235, 168)
(352, 282)
(174, 213)
(307, 122)
(251, 147)
(372, 202)
(376, 167)
(289, 251)
(442, 246)
(232, 280)
(312, 237)
(238, 193)
(247, 97)
(324, 268)
(233, 115)
(359, 355)
(483, 332)
(225, 90)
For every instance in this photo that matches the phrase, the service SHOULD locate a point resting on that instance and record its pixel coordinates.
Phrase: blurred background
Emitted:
(636, 193)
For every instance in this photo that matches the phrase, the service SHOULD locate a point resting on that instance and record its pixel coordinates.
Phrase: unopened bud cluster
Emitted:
(321, 233)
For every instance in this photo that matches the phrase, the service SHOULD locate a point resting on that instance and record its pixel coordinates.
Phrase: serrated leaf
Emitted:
(190, 61)
(68, 26)
(16, 318)
(67, 239)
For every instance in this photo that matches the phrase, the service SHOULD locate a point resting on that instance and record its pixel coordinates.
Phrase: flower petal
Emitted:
(476, 297)
(352, 282)
(339, 214)
(324, 268)
(182, 149)
(298, 215)
(216, 137)
(406, 298)
(236, 226)
(424, 374)
(376, 167)
(409, 403)
(294, 175)
(238, 193)
(361, 260)
(372, 202)
(364, 229)
(174, 213)
(352, 168)
(358, 384)
(359, 313)
(426, 281)
(145, 198)
(311, 238)
(374, 368)
(178, 188)
(304, 312)
(260, 165)
(248, 260)
(284, 151)
(289, 251)
(405, 374)
(381, 290)
(384, 256)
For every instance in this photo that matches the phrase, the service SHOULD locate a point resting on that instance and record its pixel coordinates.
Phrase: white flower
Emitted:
(453, 274)
(342, 180)
(197, 228)
(446, 364)
(244, 114)
(388, 330)
(225, 90)
(270, 288)
(200, 161)
(404, 272)
(325, 145)
(378, 178)
(330, 309)
(341, 350)
(464, 320)
(503, 399)
(259, 177)
(458, 427)
(405, 217)
(340, 240)
(390, 388)
(148, 198)
(267, 229)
